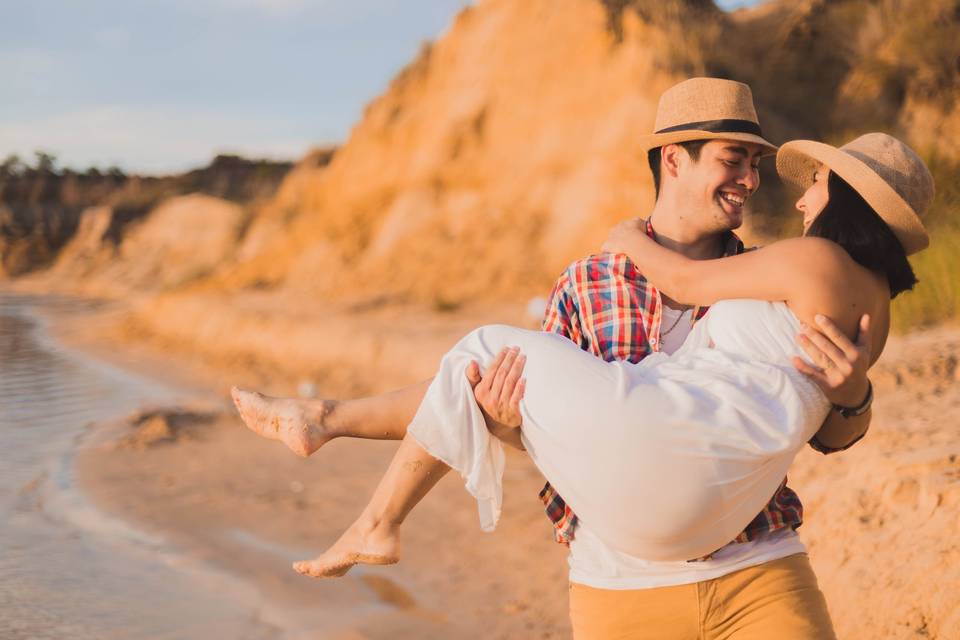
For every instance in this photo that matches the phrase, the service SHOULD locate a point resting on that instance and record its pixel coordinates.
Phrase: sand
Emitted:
(251, 507)
(881, 518)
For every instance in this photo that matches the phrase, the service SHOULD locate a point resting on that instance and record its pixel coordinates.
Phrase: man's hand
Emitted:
(840, 366)
(622, 238)
(498, 392)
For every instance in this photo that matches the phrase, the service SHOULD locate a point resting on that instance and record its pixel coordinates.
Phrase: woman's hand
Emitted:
(625, 237)
(498, 392)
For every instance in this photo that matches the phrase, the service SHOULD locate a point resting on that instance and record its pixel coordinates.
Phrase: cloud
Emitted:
(148, 139)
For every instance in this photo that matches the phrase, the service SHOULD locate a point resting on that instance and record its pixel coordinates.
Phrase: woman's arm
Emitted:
(776, 272)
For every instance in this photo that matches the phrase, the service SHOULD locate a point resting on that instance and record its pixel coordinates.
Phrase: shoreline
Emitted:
(83, 493)
(57, 394)
(69, 499)
(83, 490)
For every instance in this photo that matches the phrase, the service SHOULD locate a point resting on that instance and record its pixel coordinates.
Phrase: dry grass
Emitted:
(937, 298)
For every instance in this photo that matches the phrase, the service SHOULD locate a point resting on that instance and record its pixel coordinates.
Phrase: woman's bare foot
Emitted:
(296, 423)
(362, 543)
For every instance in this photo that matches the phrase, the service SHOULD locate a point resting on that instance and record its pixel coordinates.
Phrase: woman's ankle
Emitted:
(323, 415)
(377, 525)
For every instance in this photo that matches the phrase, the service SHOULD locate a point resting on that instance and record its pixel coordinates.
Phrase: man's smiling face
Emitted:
(716, 187)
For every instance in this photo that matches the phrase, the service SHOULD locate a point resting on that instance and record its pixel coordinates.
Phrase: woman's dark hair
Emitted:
(849, 221)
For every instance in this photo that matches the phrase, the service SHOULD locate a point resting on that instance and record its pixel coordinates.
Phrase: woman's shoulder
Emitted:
(819, 269)
(811, 251)
(827, 280)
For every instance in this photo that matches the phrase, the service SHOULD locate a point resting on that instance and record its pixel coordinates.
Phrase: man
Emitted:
(704, 157)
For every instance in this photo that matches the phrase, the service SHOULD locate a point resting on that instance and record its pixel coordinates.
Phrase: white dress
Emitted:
(667, 459)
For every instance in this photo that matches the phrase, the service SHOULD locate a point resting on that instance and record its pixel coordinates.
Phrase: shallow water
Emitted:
(65, 569)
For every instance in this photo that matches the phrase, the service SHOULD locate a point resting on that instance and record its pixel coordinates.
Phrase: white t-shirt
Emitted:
(594, 564)
(676, 323)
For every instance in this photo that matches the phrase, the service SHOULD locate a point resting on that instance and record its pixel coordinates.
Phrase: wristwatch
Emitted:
(860, 409)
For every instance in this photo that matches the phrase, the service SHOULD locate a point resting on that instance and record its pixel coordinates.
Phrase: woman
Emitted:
(731, 410)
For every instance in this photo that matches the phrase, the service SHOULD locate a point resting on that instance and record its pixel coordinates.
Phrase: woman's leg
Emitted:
(452, 428)
(306, 425)
(374, 537)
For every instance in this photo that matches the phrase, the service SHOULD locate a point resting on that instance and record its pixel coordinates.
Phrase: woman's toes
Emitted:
(323, 569)
(334, 564)
(253, 411)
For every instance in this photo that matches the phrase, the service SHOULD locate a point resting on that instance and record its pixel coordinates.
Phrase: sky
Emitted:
(156, 86)
(730, 5)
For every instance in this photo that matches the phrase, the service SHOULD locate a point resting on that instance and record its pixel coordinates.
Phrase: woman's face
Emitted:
(814, 199)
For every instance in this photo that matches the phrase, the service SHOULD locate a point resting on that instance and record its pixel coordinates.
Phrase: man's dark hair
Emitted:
(692, 147)
(849, 221)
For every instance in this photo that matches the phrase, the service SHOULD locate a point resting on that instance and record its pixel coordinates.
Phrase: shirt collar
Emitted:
(732, 244)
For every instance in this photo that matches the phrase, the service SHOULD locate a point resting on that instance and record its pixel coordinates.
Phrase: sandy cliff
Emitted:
(503, 151)
(508, 146)
(831, 70)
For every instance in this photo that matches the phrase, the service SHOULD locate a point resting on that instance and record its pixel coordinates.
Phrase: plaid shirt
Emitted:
(608, 308)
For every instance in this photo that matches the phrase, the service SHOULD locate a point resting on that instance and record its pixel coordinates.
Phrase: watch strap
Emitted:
(860, 409)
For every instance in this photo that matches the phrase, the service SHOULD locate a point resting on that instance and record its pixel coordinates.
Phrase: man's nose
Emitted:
(799, 205)
(750, 180)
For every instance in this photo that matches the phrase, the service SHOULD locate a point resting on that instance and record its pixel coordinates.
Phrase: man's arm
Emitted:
(498, 392)
(839, 434)
(840, 370)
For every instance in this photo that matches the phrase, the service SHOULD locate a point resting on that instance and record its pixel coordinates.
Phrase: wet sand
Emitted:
(69, 569)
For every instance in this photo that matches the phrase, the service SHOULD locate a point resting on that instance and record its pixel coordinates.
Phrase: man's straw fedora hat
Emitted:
(884, 171)
(706, 109)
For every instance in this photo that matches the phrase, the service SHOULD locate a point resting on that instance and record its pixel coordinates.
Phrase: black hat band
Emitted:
(729, 125)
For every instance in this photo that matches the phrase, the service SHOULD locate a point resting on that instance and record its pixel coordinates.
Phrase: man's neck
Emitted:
(675, 233)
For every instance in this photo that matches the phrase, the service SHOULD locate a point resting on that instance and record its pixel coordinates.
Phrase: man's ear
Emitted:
(670, 158)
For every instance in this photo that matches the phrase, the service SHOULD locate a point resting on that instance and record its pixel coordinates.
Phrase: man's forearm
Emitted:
(838, 433)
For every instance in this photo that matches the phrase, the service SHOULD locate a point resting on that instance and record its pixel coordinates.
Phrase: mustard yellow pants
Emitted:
(776, 600)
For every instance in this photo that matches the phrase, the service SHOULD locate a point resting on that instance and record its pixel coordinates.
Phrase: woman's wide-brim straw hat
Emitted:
(884, 171)
(706, 109)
